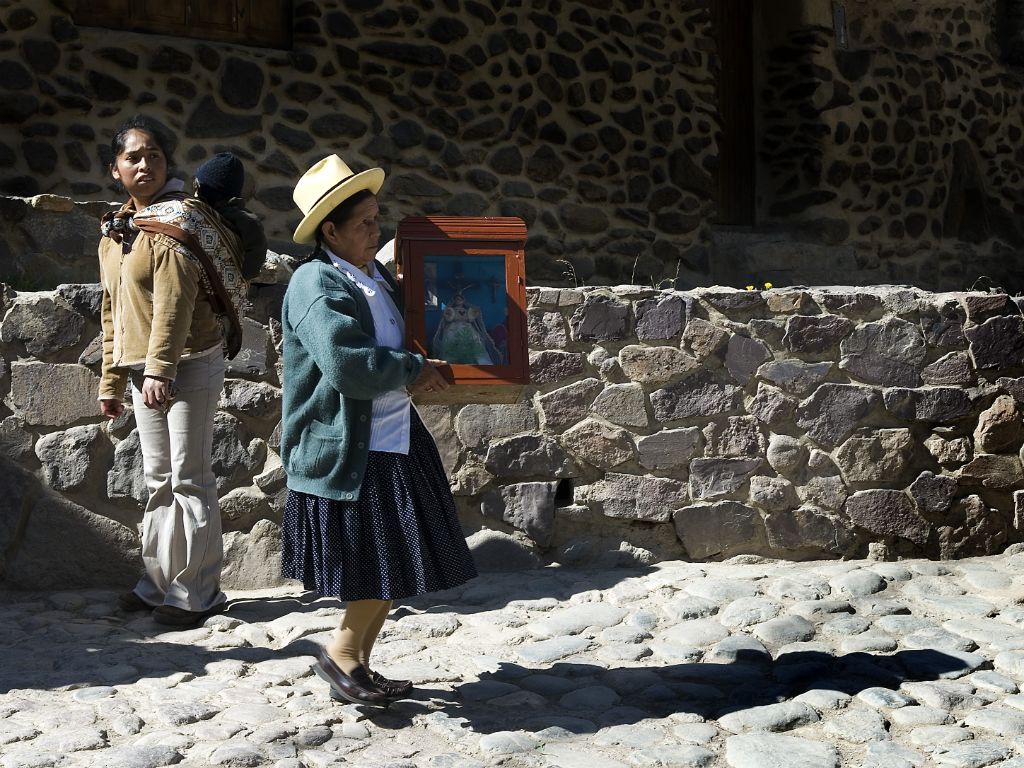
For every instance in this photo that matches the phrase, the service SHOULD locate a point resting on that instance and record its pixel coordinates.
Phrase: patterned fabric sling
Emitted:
(201, 235)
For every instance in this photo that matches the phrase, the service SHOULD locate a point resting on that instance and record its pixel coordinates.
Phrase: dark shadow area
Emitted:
(572, 691)
(707, 689)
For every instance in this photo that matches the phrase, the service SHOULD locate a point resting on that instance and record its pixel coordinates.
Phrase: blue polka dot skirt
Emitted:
(399, 539)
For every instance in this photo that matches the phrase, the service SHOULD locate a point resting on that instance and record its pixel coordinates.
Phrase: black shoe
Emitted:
(130, 602)
(172, 616)
(393, 689)
(356, 687)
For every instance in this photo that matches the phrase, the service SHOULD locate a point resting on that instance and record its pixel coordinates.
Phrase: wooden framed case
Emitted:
(464, 284)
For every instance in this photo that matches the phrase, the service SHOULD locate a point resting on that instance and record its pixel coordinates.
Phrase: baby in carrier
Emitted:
(218, 183)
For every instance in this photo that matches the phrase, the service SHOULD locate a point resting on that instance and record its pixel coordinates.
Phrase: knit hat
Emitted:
(220, 178)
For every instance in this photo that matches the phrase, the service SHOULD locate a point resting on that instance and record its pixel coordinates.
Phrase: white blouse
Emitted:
(389, 425)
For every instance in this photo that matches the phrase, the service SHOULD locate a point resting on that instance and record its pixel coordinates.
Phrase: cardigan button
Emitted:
(363, 417)
(360, 445)
(354, 475)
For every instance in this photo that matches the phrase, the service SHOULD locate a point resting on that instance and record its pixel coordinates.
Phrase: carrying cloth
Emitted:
(200, 234)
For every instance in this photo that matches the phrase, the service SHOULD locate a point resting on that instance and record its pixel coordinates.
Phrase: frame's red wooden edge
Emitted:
(492, 236)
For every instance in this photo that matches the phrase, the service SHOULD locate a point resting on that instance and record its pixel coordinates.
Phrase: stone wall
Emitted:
(895, 160)
(902, 151)
(593, 121)
(658, 425)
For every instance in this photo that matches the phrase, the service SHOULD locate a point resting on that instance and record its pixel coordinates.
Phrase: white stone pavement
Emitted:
(747, 664)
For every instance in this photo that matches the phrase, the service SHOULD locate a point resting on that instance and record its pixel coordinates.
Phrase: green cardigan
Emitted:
(333, 369)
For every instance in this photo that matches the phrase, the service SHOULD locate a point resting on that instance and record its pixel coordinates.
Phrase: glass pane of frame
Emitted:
(466, 306)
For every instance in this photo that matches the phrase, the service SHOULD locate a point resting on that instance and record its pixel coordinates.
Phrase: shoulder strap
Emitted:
(221, 301)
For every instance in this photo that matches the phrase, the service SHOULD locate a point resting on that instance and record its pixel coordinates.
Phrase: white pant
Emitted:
(182, 549)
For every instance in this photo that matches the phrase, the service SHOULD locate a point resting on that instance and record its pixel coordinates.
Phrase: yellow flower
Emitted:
(767, 286)
(750, 287)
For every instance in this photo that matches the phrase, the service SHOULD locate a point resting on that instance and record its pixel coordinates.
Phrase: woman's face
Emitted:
(141, 167)
(356, 241)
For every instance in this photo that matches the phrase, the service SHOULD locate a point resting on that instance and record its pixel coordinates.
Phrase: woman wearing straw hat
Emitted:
(369, 516)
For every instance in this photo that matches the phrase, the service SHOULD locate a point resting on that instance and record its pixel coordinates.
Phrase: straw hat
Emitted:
(323, 187)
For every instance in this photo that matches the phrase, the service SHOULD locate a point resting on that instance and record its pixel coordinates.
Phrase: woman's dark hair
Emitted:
(163, 137)
(342, 213)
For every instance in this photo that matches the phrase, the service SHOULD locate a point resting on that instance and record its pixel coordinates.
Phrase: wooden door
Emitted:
(733, 26)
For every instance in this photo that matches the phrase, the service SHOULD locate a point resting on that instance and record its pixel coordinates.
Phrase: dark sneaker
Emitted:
(173, 616)
(130, 602)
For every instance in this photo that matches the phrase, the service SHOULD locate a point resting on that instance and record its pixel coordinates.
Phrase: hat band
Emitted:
(330, 189)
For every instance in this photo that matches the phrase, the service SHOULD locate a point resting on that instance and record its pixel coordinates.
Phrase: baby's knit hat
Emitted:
(220, 178)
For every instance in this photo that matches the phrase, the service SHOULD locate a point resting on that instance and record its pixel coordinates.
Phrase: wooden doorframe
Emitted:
(732, 23)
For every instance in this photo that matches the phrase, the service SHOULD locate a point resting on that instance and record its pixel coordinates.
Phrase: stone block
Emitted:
(807, 528)
(997, 343)
(1014, 387)
(526, 455)
(669, 448)
(933, 494)
(795, 376)
(699, 395)
(16, 442)
(600, 318)
(599, 444)
(42, 324)
(719, 529)
(888, 513)
(438, 421)
(241, 508)
(933, 404)
(253, 560)
(622, 404)
(497, 551)
(639, 497)
(881, 457)
(815, 334)
(738, 436)
(951, 452)
(569, 404)
(528, 507)
(251, 360)
(126, 478)
(770, 406)
(1000, 428)
(834, 411)
(550, 366)
(655, 365)
(786, 454)
(660, 318)
(236, 456)
(478, 424)
(889, 352)
(952, 369)
(71, 457)
(993, 471)
(827, 492)
(942, 323)
(546, 330)
(705, 340)
(717, 476)
(53, 394)
(773, 494)
(255, 399)
(744, 356)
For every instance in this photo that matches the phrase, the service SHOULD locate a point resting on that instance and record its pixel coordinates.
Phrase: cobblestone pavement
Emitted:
(748, 663)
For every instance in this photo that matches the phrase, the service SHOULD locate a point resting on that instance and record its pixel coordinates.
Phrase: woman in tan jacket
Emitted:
(162, 334)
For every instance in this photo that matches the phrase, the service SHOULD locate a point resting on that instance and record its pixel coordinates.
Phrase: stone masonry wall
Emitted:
(659, 425)
(593, 120)
(903, 150)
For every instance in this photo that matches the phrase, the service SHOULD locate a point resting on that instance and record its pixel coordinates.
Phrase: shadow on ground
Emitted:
(573, 696)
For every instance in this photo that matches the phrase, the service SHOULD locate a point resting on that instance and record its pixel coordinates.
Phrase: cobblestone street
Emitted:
(747, 664)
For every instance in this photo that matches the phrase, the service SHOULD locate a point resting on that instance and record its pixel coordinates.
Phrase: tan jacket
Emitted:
(155, 311)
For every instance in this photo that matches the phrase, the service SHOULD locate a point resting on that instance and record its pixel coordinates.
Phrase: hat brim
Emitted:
(371, 179)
